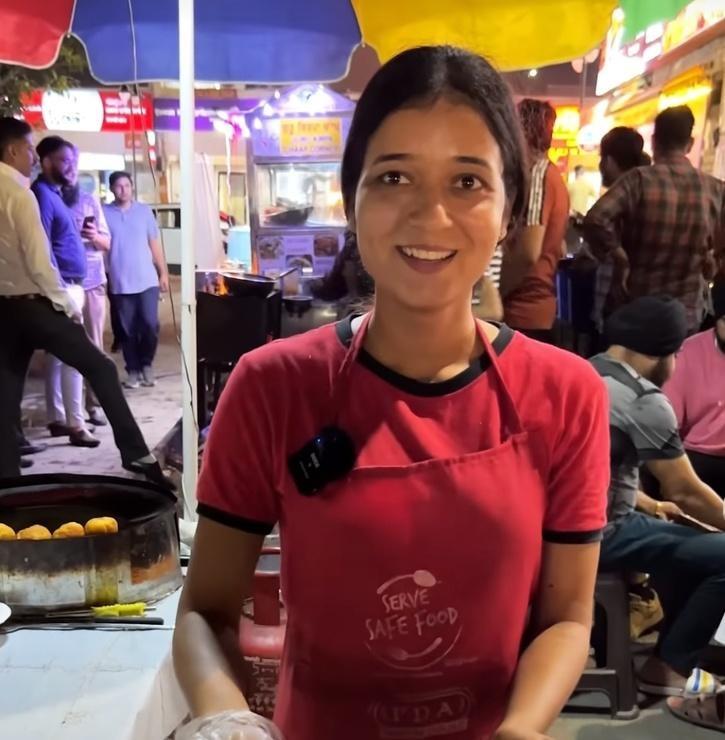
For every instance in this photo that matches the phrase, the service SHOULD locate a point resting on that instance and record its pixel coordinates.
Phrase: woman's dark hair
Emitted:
(420, 77)
(12, 130)
(116, 176)
(673, 129)
(625, 146)
(537, 121)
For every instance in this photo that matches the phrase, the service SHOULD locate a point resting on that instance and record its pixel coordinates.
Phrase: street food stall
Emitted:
(99, 682)
(294, 146)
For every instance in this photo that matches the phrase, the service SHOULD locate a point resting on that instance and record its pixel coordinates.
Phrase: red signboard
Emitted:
(89, 110)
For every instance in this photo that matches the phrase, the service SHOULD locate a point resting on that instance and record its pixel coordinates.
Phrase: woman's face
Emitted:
(430, 205)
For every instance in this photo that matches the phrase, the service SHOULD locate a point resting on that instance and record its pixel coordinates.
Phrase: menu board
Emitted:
(312, 254)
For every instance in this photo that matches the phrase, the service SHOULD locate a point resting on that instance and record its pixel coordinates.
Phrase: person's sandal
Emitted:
(703, 711)
(700, 683)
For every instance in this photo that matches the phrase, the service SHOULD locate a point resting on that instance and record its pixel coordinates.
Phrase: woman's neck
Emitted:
(429, 347)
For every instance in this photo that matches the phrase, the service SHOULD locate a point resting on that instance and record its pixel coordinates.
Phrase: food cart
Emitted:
(294, 146)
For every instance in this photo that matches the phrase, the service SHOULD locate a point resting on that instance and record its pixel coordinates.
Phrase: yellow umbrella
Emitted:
(512, 34)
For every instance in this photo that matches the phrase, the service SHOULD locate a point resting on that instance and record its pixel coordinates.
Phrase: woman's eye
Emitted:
(468, 182)
(394, 178)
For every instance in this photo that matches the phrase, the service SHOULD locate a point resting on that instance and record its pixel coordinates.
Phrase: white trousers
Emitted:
(64, 384)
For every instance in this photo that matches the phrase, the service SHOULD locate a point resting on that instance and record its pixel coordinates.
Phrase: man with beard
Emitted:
(36, 312)
(687, 566)
(697, 394)
(63, 384)
(91, 225)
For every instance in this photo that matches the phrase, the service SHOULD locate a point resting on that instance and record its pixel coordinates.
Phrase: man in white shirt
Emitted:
(36, 312)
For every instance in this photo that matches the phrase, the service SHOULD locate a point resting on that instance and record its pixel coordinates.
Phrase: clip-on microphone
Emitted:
(329, 456)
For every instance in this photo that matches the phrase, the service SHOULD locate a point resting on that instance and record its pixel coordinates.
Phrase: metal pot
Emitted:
(139, 563)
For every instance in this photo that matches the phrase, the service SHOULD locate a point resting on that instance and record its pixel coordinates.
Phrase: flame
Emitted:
(222, 286)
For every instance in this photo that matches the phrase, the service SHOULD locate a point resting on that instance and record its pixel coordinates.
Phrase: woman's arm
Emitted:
(553, 662)
(207, 657)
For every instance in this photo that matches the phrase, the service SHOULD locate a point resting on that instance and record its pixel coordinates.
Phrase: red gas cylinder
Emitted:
(261, 636)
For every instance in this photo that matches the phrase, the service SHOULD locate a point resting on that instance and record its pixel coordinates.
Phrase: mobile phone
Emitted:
(88, 221)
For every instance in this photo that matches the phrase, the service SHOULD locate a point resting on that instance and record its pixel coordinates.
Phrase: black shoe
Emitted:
(83, 438)
(25, 463)
(32, 449)
(57, 429)
(152, 472)
(96, 420)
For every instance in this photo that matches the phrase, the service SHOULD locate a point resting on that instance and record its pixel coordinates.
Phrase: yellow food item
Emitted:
(69, 529)
(36, 532)
(102, 525)
(6, 533)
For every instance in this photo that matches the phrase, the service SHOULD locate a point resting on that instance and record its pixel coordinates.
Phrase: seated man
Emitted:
(687, 566)
(697, 392)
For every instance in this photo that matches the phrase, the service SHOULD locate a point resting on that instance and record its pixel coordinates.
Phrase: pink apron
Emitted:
(408, 590)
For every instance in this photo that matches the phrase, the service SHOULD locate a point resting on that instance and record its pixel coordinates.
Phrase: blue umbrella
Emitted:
(137, 40)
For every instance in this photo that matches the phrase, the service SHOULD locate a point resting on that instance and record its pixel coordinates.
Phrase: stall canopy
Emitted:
(277, 41)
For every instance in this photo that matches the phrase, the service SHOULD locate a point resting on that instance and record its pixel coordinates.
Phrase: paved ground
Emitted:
(158, 409)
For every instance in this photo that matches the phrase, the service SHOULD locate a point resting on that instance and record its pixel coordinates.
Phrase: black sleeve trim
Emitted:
(666, 453)
(573, 538)
(231, 520)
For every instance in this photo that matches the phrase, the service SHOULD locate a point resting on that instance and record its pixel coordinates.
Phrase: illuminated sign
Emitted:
(623, 62)
(693, 19)
(566, 131)
(310, 137)
(88, 110)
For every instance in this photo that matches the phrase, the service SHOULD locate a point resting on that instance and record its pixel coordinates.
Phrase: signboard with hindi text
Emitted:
(310, 137)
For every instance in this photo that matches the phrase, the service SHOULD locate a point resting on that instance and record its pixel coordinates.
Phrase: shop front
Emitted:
(295, 142)
(680, 62)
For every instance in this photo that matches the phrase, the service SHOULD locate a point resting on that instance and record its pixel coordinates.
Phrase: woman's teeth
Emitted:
(425, 254)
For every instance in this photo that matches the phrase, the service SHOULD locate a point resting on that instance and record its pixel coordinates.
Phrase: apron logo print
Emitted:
(411, 632)
(430, 715)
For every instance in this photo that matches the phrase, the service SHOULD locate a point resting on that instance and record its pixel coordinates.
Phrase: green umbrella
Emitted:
(640, 14)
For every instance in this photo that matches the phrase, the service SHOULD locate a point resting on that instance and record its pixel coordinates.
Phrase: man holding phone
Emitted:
(91, 224)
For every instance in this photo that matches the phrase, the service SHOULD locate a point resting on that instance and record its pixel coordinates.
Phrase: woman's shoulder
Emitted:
(300, 356)
(535, 367)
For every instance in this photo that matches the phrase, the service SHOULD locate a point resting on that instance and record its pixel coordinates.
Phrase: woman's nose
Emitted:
(429, 206)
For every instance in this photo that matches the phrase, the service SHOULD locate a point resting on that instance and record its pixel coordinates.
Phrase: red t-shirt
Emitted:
(278, 398)
(409, 436)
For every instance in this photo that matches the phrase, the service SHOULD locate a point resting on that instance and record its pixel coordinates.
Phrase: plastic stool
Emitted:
(615, 677)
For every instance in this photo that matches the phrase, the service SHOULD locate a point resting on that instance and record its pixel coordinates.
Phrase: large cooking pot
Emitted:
(138, 563)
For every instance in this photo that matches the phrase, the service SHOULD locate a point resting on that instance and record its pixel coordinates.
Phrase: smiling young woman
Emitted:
(439, 570)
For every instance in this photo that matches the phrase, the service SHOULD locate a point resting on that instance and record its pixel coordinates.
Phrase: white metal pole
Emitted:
(188, 261)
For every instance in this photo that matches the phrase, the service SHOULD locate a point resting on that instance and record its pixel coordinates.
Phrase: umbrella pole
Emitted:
(188, 262)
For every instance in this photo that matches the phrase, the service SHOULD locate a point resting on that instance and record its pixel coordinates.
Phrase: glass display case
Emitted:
(295, 142)
(300, 194)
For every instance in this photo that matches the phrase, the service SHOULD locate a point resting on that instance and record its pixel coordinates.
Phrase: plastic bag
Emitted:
(233, 725)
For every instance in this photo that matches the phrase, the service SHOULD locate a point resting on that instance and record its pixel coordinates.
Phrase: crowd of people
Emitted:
(658, 236)
(60, 249)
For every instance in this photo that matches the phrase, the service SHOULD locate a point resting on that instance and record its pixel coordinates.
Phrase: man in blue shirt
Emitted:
(137, 272)
(69, 255)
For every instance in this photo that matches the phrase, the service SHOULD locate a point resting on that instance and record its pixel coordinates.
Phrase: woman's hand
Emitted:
(234, 725)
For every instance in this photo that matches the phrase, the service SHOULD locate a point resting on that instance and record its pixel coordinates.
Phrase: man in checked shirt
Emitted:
(664, 226)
